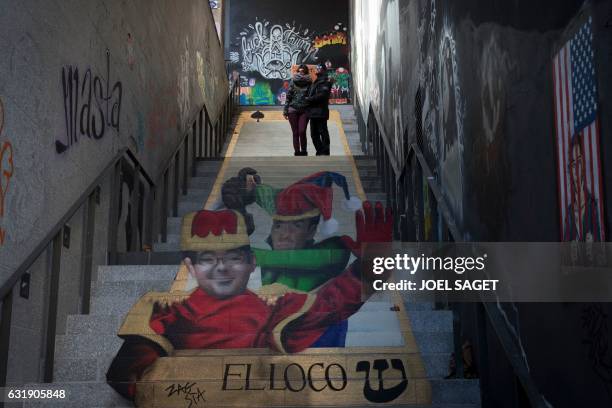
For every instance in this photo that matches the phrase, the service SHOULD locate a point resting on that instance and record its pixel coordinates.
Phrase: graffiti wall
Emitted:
(266, 40)
(74, 94)
(473, 85)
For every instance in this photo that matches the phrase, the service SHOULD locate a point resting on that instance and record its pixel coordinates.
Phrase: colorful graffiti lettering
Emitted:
(336, 38)
(99, 108)
(272, 51)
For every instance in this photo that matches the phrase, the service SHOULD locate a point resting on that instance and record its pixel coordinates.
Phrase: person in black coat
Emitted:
(296, 109)
(318, 111)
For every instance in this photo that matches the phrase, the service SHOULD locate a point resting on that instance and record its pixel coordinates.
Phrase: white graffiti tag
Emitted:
(273, 51)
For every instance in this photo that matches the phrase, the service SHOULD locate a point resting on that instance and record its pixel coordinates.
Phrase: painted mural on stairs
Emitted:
(273, 322)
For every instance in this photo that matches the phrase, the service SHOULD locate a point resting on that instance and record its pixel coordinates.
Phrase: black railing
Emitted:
(411, 193)
(146, 215)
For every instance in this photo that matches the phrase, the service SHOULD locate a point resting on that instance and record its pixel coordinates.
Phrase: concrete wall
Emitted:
(145, 69)
(471, 82)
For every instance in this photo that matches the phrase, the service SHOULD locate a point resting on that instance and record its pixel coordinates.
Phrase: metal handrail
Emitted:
(494, 315)
(8, 285)
(89, 196)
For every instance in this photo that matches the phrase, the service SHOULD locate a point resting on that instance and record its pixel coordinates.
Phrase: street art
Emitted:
(281, 95)
(200, 73)
(337, 37)
(98, 109)
(183, 97)
(271, 51)
(340, 90)
(160, 120)
(577, 138)
(6, 170)
(297, 295)
(131, 58)
(266, 46)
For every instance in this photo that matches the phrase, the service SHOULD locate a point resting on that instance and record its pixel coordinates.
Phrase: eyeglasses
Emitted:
(231, 259)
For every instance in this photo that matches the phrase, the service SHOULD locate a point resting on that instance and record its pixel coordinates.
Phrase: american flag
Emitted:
(577, 137)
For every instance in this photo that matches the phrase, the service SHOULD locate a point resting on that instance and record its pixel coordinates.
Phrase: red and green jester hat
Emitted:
(305, 268)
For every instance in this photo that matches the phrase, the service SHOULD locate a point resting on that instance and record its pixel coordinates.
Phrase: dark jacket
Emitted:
(318, 98)
(298, 91)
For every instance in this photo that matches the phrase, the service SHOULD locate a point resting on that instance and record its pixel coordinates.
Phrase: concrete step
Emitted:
(185, 207)
(122, 273)
(80, 369)
(202, 182)
(462, 394)
(87, 346)
(431, 320)
(92, 324)
(133, 289)
(166, 247)
(111, 304)
(80, 395)
(377, 196)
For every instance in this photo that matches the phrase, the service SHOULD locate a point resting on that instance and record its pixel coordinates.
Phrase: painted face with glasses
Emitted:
(222, 274)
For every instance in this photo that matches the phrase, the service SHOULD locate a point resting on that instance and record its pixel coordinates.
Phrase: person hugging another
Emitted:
(296, 109)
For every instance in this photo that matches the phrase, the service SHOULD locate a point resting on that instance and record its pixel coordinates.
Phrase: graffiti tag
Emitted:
(382, 394)
(6, 172)
(98, 109)
(337, 38)
(193, 395)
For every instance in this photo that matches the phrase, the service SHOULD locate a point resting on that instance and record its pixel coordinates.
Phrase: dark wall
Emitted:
(471, 82)
(309, 33)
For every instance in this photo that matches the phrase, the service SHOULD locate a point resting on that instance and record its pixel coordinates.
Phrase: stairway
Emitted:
(84, 353)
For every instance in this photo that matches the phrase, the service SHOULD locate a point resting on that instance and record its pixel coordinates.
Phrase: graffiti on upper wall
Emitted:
(160, 120)
(6, 171)
(271, 51)
(183, 97)
(91, 106)
(129, 45)
(337, 37)
(264, 48)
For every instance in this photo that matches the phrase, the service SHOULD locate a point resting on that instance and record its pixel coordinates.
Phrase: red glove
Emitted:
(373, 225)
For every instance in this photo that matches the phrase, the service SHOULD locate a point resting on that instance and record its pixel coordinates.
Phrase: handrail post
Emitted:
(5, 336)
(150, 224)
(194, 143)
(457, 343)
(207, 136)
(135, 216)
(164, 208)
(186, 164)
(52, 308)
(175, 185)
(87, 254)
(113, 226)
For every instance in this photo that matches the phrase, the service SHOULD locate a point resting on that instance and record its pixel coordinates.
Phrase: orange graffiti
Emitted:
(337, 38)
(6, 172)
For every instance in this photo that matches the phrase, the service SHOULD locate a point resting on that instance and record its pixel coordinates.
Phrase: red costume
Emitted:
(242, 321)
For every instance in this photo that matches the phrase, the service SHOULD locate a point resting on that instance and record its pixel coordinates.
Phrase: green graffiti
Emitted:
(261, 94)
